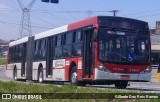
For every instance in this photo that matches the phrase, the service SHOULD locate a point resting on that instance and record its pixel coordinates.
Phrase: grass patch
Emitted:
(2, 61)
(20, 87)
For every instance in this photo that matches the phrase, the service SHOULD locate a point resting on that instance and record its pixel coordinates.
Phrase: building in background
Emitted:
(157, 30)
(155, 44)
(3, 48)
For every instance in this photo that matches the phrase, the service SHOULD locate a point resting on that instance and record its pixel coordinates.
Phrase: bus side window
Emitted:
(19, 54)
(58, 40)
(77, 45)
(17, 51)
(43, 49)
(68, 40)
(78, 36)
(36, 52)
(58, 47)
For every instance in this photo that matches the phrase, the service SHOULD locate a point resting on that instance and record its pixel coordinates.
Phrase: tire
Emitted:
(40, 76)
(121, 84)
(81, 83)
(15, 74)
(73, 78)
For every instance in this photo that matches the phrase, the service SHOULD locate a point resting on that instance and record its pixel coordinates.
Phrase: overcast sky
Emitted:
(45, 16)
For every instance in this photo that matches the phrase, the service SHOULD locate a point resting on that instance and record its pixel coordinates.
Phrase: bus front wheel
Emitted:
(121, 84)
(73, 76)
(74, 79)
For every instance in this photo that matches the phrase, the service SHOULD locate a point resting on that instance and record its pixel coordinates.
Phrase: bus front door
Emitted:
(88, 55)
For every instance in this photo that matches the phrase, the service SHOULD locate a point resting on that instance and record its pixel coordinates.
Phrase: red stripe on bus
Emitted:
(58, 68)
(83, 23)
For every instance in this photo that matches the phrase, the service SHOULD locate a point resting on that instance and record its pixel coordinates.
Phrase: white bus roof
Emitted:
(19, 41)
(41, 35)
(51, 32)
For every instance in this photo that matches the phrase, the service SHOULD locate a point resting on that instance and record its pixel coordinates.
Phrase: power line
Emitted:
(49, 13)
(54, 11)
(6, 9)
(141, 12)
(87, 11)
(17, 10)
(20, 24)
(147, 15)
(68, 12)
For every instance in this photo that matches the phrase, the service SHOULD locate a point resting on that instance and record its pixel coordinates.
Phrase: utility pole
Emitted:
(25, 27)
(114, 12)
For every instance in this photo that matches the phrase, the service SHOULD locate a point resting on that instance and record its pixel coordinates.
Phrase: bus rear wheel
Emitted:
(40, 76)
(121, 84)
(15, 74)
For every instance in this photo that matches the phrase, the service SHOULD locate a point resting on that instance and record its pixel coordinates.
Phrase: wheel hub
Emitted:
(40, 77)
(74, 78)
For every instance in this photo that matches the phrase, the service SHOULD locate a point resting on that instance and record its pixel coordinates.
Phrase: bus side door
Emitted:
(88, 54)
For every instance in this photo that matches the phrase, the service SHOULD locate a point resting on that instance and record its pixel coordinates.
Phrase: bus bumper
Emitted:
(104, 75)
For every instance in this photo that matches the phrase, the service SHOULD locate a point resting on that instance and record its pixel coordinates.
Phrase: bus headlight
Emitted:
(147, 70)
(100, 66)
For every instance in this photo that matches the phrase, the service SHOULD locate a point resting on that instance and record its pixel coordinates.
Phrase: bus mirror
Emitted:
(94, 36)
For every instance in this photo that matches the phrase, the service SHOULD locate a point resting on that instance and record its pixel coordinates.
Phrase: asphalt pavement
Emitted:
(3, 75)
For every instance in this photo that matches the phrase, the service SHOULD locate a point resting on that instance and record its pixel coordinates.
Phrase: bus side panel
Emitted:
(67, 66)
(59, 70)
(79, 67)
(9, 70)
(35, 69)
(78, 62)
(95, 59)
(18, 67)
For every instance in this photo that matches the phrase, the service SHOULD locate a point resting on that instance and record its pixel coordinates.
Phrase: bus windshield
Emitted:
(124, 46)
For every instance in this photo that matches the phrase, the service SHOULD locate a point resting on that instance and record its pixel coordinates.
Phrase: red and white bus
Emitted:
(97, 50)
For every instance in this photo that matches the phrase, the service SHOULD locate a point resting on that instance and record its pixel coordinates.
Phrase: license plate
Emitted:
(126, 77)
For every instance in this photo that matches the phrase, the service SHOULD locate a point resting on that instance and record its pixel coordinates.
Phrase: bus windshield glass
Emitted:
(124, 46)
